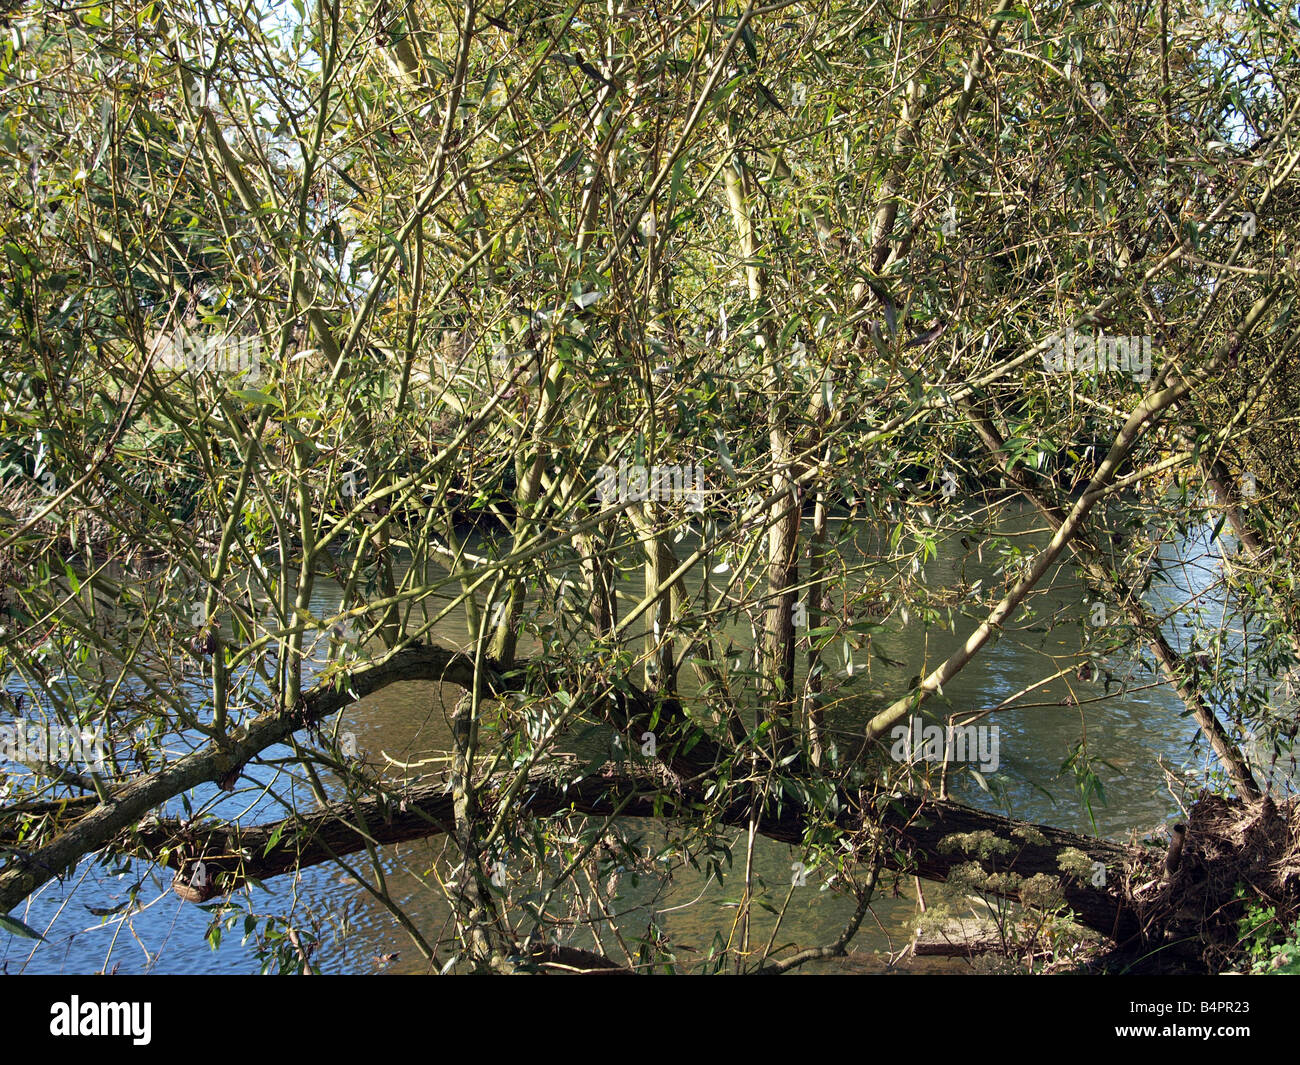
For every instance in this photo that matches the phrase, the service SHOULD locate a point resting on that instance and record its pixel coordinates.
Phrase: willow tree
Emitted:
(583, 327)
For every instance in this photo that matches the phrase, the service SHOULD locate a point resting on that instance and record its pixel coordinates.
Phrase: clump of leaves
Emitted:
(1083, 766)
(1075, 862)
(1042, 892)
(1030, 835)
(1270, 945)
(982, 844)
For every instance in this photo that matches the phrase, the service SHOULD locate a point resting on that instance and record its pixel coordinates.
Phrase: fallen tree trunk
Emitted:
(1184, 919)
(922, 830)
(936, 837)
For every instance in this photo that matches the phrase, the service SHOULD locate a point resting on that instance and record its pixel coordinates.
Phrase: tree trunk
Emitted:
(921, 829)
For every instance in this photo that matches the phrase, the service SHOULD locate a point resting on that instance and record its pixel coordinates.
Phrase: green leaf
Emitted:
(257, 399)
(724, 453)
(15, 926)
(275, 838)
(18, 255)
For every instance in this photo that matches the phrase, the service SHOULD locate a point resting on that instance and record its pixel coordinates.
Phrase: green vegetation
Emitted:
(321, 331)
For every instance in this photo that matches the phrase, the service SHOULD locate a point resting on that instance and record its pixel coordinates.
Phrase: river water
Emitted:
(1141, 732)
